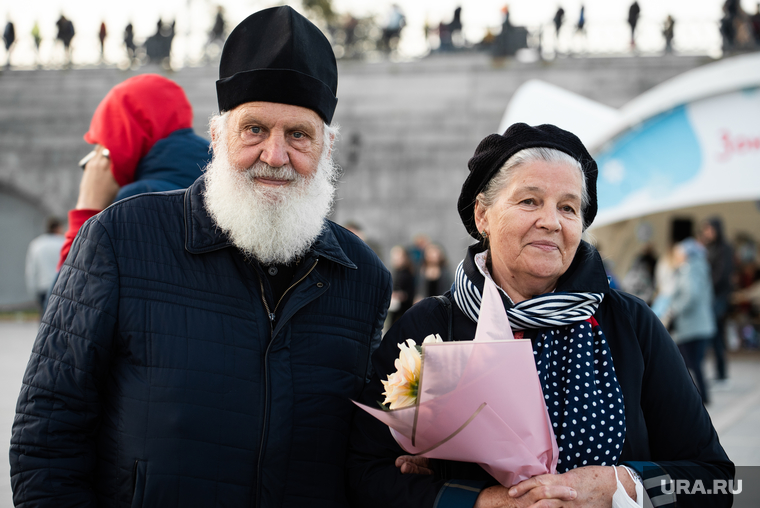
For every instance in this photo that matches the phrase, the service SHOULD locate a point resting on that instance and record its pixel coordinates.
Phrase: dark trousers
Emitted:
(693, 353)
(720, 308)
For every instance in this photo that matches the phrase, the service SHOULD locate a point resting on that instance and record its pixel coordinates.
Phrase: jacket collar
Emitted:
(202, 235)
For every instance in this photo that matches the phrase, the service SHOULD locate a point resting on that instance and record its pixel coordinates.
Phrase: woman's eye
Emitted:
(528, 201)
(298, 135)
(568, 209)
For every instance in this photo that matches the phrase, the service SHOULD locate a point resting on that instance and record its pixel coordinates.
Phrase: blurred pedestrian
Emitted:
(416, 253)
(129, 42)
(755, 21)
(41, 259)
(720, 257)
(634, 11)
(435, 275)
(37, 40)
(102, 33)
(65, 35)
(217, 30)
(681, 228)
(668, 32)
(639, 279)
(144, 142)
(581, 25)
(395, 21)
(727, 27)
(455, 28)
(9, 36)
(402, 272)
(691, 308)
(559, 18)
(158, 47)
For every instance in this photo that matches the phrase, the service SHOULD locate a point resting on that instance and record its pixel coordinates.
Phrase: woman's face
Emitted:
(534, 227)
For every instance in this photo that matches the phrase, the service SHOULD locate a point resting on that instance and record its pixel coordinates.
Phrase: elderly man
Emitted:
(202, 346)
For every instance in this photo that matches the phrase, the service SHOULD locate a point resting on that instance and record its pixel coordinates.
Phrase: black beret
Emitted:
(495, 150)
(277, 55)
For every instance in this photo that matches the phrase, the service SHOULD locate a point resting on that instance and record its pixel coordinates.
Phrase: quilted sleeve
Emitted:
(52, 451)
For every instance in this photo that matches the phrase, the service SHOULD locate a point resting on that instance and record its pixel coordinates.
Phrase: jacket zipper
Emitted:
(272, 316)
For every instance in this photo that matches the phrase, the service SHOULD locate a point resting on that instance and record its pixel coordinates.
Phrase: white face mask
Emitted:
(620, 498)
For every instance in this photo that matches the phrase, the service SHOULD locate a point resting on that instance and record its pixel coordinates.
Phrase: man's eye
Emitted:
(298, 135)
(255, 130)
(528, 201)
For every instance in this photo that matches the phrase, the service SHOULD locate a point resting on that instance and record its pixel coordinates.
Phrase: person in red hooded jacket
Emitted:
(144, 142)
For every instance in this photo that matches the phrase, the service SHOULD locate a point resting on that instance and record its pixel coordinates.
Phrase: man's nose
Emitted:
(274, 151)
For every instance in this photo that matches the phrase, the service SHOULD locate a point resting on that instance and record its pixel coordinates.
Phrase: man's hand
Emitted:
(412, 464)
(98, 187)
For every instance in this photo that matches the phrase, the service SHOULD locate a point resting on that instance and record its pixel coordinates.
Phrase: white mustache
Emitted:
(264, 170)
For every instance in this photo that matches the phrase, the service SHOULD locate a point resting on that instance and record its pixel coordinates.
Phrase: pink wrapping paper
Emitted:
(480, 401)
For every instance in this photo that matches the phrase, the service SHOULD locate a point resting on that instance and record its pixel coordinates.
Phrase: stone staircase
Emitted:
(407, 131)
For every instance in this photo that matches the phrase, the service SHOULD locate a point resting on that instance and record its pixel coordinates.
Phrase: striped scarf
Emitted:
(544, 311)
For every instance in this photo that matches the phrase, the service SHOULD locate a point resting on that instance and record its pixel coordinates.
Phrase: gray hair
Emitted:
(217, 126)
(502, 178)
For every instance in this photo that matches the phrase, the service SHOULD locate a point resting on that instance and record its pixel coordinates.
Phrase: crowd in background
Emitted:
(357, 37)
(705, 289)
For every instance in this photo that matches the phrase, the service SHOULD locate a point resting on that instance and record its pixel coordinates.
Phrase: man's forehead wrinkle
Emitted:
(268, 119)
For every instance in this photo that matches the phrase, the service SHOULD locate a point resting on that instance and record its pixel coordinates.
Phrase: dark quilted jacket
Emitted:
(153, 380)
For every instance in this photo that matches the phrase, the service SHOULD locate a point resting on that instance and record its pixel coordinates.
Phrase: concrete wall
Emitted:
(407, 131)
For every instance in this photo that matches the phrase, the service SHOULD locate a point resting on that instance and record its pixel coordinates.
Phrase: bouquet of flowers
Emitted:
(473, 401)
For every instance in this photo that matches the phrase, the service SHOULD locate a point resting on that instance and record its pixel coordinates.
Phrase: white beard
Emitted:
(273, 225)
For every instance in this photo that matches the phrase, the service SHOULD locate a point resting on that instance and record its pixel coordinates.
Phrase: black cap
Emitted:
(277, 55)
(495, 150)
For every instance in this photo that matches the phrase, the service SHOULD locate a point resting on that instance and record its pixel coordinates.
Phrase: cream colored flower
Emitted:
(402, 386)
(432, 338)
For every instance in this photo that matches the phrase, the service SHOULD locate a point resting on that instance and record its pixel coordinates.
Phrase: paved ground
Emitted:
(735, 410)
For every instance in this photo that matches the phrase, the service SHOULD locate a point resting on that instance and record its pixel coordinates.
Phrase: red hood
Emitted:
(133, 116)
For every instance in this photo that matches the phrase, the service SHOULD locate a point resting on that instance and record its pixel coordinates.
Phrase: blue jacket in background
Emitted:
(174, 162)
(692, 302)
(157, 378)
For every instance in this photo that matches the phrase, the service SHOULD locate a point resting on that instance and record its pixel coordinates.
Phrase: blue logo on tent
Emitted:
(656, 155)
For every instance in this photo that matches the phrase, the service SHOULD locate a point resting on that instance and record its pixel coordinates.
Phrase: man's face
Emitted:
(279, 135)
(271, 182)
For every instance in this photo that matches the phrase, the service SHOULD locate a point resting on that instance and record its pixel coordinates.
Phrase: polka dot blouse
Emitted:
(582, 394)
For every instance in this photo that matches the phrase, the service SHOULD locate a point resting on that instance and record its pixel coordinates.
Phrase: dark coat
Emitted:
(668, 428)
(158, 380)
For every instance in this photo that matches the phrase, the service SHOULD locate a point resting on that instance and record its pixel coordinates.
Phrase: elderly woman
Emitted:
(621, 402)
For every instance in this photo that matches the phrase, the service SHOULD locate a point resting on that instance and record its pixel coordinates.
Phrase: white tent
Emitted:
(694, 139)
(690, 142)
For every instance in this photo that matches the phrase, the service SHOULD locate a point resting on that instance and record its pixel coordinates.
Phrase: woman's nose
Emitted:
(549, 218)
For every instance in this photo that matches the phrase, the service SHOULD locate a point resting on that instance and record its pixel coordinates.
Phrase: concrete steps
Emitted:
(417, 123)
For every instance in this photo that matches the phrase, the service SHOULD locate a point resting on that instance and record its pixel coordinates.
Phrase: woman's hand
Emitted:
(98, 187)
(591, 487)
(412, 464)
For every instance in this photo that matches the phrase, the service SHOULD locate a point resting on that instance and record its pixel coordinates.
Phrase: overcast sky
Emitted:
(696, 28)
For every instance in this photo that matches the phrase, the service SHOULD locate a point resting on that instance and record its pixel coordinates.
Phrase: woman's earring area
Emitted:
(484, 234)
